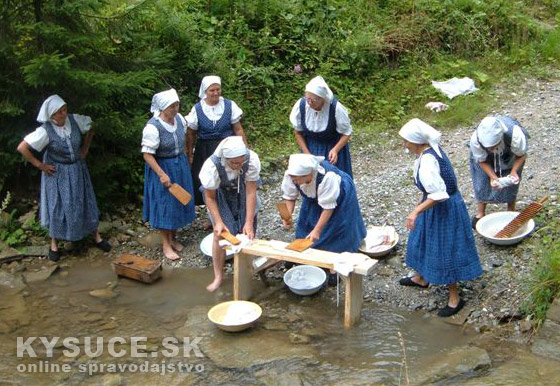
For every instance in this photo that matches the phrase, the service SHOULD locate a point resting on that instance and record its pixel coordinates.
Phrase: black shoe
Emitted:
(103, 245)
(449, 311)
(474, 220)
(408, 282)
(54, 255)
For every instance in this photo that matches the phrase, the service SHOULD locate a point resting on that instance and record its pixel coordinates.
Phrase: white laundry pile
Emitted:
(237, 314)
(436, 106)
(455, 86)
(379, 239)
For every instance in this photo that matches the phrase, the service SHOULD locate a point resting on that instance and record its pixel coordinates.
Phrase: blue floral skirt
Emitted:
(68, 204)
(441, 246)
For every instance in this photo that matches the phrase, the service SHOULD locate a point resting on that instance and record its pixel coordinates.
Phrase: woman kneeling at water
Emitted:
(441, 246)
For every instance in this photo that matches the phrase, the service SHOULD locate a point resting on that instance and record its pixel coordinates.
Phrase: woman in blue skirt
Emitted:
(322, 126)
(163, 148)
(210, 120)
(498, 150)
(330, 213)
(441, 247)
(230, 178)
(68, 206)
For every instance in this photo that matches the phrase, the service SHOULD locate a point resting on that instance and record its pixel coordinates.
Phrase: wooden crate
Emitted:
(138, 268)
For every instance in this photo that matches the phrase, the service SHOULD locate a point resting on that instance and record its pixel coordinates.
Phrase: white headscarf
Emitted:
(163, 100)
(207, 81)
(490, 131)
(50, 106)
(319, 87)
(231, 147)
(419, 132)
(303, 164)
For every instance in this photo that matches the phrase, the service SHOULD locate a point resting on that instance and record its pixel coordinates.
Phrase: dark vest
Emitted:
(329, 134)
(208, 129)
(170, 144)
(445, 170)
(63, 150)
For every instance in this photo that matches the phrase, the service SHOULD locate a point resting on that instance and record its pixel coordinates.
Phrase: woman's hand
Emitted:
(83, 153)
(165, 180)
(333, 156)
(514, 176)
(287, 224)
(219, 228)
(314, 235)
(249, 231)
(495, 184)
(47, 169)
(410, 220)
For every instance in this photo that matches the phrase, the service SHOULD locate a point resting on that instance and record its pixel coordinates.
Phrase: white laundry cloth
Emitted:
(346, 262)
(436, 106)
(236, 248)
(455, 86)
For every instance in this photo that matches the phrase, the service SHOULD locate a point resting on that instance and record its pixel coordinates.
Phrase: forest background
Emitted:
(107, 58)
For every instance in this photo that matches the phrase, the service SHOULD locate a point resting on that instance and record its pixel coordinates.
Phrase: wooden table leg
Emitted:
(242, 274)
(353, 299)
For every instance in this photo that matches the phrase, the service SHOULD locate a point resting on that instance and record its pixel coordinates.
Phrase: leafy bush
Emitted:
(107, 58)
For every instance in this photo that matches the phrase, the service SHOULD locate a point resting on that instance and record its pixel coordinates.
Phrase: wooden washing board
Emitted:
(363, 265)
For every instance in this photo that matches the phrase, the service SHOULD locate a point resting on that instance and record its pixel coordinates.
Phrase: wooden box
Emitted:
(138, 268)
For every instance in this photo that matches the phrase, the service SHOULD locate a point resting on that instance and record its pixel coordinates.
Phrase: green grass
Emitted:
(543, 285)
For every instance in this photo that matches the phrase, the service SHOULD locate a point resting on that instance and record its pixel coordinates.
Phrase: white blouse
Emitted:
(327, 191)
(210, 178)
(39, 139)
(518, 145)
(150, 134)
(316, 121)
(214, 113)
(426, 168)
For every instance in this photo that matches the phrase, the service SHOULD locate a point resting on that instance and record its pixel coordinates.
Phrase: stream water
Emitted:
(298, 340)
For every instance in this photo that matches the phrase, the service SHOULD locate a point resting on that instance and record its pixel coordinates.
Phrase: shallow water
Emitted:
(298, 339)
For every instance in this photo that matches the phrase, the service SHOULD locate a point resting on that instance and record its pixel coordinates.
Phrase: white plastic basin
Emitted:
(206, 247)
(491, 224)
(305, 279)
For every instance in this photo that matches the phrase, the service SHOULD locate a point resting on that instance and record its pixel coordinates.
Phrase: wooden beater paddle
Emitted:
(180, 194)
(520, 220)
(284, 212)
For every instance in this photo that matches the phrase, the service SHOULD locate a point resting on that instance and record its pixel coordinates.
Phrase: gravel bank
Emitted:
(387, 194)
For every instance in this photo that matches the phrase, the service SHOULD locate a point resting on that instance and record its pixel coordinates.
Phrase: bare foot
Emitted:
(214, 285)
(170, 253)
(419, 280)
(177, 245)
